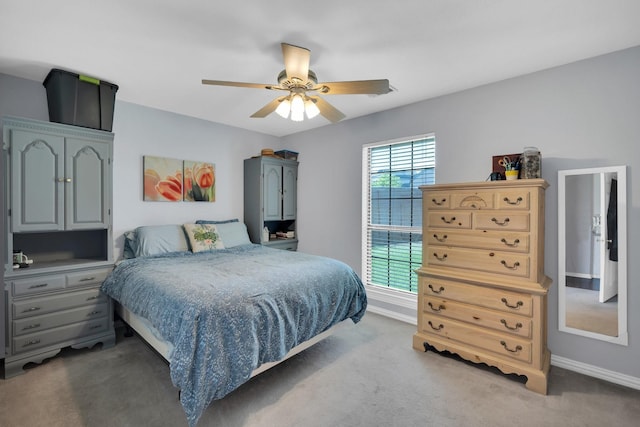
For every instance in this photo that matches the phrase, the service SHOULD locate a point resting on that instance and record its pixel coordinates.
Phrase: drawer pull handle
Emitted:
(440, 258)
(95, 327)
(86, 279)
(439, 203)
(440, 289)
(435, 328)
(93, 313)
(440, 239)
(511, 328)
(517, 202)
(40, 285)
(448, 221)
(505, 222)
(32, 326)
(437, 309)
(517, 306)
(513, 245)
(31, 309)
(93, 297)
(513, 267)
(32, 342)
(517, 349)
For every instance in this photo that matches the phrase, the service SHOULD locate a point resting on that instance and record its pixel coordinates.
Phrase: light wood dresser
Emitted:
(482, 290)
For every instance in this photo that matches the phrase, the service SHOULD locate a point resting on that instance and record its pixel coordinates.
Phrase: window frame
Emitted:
(403, 297)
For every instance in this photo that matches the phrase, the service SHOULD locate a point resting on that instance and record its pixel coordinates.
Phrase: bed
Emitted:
(222, 313)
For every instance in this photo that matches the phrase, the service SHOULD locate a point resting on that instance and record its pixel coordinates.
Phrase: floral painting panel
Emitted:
(199, 181)
(162, 179)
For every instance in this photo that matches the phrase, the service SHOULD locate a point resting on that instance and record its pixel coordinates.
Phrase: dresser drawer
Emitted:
(43, 305)
(36, 285)
(449, 219)
(498, 299)
(497, 320)
(509, 264)
(53, 320)
(499, 240)
(472, 200)
(53, 336)
(436, 200)
(87, 277)
(500, 220)
(514, 199)
(502, 344)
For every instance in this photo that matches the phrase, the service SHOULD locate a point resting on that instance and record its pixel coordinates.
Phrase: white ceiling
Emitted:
(158, 51)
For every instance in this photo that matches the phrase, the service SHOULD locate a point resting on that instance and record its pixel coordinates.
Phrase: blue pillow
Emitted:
(159, 239)
(233, 234)
(211, 221)
(129, 250)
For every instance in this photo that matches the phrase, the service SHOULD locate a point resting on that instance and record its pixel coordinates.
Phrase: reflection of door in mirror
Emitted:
(592, 296)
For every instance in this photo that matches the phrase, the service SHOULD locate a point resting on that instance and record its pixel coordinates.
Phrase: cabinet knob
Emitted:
(64, 179)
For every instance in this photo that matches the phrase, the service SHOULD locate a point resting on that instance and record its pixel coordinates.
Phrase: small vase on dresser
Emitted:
(482, 291)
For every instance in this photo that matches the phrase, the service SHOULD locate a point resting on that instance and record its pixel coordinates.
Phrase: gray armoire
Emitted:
(58, 214)
(270, 200)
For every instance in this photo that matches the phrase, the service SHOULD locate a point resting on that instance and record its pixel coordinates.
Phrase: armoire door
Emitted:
(87, 190)
(272, 191)
(289, 194)
(37, 181)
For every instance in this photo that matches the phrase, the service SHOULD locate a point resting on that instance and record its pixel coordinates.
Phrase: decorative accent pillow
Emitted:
(203, 237)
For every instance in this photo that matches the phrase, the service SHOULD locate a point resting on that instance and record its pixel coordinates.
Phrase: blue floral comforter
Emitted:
(226, 312)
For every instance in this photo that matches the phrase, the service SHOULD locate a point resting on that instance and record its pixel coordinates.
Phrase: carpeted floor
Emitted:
(364, 375)
(586, 313)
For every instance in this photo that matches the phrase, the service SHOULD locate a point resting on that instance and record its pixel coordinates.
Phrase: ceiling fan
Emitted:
(303, 89)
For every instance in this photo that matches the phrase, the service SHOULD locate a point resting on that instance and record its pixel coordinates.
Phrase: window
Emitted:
(392, 210)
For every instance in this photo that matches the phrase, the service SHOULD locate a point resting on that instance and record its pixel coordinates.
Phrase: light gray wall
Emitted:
(584, 114)
(141, 131)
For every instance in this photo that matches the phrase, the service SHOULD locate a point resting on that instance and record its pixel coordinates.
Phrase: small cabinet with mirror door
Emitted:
(592, 253)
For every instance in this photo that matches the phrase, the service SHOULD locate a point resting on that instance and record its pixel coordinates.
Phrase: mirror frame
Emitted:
(621, 172)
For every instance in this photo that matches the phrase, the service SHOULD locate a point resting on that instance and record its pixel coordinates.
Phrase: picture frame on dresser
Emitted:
(482, 291)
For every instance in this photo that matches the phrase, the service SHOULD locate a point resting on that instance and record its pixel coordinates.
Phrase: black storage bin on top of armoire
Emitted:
(80, 100)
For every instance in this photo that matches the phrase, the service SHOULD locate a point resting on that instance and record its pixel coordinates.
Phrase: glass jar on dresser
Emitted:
(482, 288)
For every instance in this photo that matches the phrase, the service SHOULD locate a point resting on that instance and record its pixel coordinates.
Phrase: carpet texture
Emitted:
(364, 375)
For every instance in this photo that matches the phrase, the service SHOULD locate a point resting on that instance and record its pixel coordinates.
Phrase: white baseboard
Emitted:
(596, 372)
(392, 314)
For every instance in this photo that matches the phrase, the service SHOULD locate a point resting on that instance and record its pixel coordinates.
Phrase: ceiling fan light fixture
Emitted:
(311, 108)
(297, 108)
(284, 108)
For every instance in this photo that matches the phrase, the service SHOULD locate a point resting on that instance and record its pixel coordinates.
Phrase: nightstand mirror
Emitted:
(592, 253)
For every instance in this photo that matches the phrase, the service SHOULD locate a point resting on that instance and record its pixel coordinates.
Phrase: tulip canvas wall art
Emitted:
(162, 179)
(174, 180)
(199, 184)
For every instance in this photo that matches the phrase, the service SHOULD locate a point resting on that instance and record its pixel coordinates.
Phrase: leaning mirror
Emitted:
(592, 253)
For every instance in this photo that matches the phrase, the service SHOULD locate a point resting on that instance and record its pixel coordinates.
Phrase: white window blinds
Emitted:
(392, 210)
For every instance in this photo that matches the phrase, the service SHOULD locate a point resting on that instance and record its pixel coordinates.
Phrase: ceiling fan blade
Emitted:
(237, 84)
(327, 110)
(296, 61)
(269, 108)
(377, 87)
